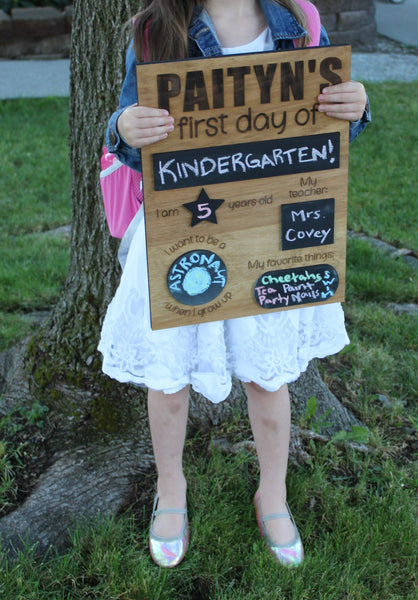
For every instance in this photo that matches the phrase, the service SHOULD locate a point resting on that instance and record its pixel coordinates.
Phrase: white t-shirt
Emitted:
(263, 43)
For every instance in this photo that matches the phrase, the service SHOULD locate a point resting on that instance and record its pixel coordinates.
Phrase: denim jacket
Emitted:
(203, 42)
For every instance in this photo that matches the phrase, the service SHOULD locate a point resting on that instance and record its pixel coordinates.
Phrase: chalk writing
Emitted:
(197, 277)
(204, 208)
(307, 224)
(292, 287)
(239, 162)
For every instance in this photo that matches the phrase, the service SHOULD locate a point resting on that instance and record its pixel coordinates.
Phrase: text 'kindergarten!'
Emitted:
(238, 162)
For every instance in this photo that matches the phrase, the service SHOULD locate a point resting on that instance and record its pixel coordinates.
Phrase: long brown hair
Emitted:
(161, 27)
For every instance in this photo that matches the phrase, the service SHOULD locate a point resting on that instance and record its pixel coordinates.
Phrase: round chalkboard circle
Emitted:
(197, 277)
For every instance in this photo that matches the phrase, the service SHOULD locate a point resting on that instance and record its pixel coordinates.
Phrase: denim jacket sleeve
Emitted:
(356, 127)
(129, 95)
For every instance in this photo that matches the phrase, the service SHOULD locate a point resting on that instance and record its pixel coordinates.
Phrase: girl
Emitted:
(265, 352)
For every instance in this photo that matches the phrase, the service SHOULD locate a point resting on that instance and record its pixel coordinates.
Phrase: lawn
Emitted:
(356, 510)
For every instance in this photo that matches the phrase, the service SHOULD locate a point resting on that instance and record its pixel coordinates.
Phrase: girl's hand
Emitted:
(343, 101)
(141, 125)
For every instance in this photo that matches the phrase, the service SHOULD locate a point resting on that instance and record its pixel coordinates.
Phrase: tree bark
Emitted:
(98, 48)
(97, 436)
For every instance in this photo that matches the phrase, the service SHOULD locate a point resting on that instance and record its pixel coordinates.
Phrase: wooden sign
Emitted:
(246, 200)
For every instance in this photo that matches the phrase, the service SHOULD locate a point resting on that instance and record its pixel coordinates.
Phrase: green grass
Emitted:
(356, 511)
(34, 198)
(35, 191)
(31, 281)
(356, 519)
(383, 173)
(374, 275)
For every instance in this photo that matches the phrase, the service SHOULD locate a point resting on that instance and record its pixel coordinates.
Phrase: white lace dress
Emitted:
(269, 349)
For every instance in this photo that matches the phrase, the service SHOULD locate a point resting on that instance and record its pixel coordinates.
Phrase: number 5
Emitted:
(204, 208)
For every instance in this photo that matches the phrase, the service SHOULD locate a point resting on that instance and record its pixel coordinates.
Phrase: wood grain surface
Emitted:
(247, 133)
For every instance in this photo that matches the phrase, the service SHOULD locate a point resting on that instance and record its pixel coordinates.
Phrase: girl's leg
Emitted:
(168, 421)
(269, 414)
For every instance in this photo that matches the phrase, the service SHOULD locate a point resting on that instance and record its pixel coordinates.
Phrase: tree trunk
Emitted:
(97, 437)
(98, 49)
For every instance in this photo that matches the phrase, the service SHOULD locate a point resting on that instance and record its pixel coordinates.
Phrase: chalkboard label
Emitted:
(308, 224)
(294, 287)
(241, 162)
(197, 277)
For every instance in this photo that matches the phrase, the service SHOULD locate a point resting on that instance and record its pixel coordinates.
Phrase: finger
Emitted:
(148, 111)
(151, 140)
(340, 107)
(146, 123)
(139, 133)
(143, 137)
(346, 86)
(343, 111)
(144, 116)
(342, 97)
(351, 91)
(344, 116)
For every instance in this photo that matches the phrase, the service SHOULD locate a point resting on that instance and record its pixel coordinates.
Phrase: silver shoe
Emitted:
(288, 555)
(168, 551)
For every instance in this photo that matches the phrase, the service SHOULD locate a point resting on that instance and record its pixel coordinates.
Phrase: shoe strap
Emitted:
(166, 511)
(170, 511)
(276, 516)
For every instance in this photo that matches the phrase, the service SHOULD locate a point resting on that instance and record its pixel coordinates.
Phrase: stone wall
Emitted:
(349, 22)
(35, 32)
(39, 32)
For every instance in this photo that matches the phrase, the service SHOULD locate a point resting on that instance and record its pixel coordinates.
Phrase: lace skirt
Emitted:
(270, 349)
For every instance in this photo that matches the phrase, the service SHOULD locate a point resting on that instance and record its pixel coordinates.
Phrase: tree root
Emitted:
(97, 462)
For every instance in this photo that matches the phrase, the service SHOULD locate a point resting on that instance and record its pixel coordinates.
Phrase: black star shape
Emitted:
(204, 208)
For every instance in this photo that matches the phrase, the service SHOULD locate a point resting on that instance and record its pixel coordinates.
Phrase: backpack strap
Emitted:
(146, 38)
(314, 22)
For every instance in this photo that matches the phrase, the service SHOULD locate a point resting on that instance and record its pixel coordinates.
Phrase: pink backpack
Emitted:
(121, 191)
(122, 186)
(314, 22)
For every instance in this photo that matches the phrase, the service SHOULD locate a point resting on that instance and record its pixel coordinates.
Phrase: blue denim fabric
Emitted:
(203, 42)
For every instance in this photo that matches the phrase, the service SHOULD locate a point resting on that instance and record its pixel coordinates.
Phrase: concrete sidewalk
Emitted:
(398, 21)
(34, 78)
(384, 67)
